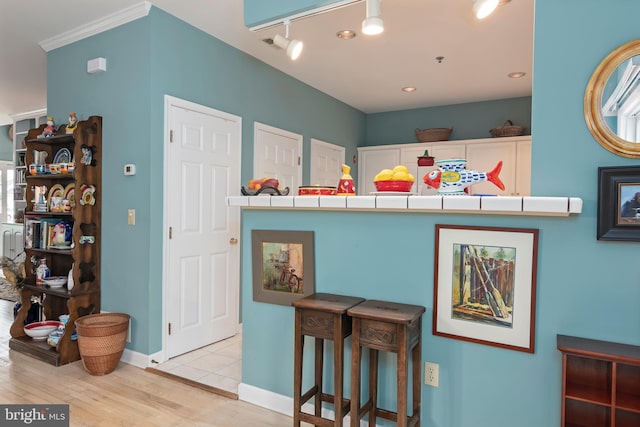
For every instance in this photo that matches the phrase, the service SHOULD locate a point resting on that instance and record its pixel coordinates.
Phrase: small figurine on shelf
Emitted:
(346, 187)
(73, 123)
(50, 129)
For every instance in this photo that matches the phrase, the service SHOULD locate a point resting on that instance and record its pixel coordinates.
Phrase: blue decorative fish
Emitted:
(451, 177)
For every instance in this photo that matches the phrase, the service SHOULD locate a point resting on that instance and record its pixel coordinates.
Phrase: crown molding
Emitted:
(92, 28)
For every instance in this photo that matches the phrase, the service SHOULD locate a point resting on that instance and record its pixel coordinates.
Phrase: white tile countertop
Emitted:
(495, 205)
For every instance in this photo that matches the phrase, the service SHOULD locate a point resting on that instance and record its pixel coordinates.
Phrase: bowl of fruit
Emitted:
(264, 186)
(394, 180)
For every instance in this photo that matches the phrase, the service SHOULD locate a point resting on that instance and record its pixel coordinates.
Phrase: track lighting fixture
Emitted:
(373, 23)
(293, 47)
(484, 8)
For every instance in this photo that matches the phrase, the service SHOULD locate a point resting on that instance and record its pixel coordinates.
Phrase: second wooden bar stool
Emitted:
(324, 317)
(392, 327)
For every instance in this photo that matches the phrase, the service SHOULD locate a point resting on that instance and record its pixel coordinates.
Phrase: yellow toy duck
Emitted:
(73, 123)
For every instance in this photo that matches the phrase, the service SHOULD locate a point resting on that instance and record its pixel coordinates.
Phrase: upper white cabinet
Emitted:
(371, 161)
(482, 155)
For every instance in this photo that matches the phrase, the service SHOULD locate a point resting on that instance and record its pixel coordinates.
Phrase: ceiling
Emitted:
(366, 72)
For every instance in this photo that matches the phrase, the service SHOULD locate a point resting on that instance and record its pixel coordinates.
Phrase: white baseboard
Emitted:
(281, 404)
(139, 360)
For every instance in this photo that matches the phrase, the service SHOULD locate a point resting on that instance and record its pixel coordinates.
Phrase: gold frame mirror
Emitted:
(593, 102)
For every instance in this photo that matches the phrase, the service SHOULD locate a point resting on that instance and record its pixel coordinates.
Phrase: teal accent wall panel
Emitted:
(469, 121)
(122, 97)
(257, 12)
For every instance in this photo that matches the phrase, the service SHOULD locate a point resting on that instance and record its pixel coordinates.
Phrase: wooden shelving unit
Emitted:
(82, 259)
(600, 383)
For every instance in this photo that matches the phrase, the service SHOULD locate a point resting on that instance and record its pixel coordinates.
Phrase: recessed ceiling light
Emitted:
(346, 34)
(408, 89)
(517, 74)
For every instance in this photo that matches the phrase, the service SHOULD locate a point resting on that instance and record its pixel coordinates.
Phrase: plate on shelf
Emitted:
(62, 156)
(56, 191)
(392, 193)
(69, 194)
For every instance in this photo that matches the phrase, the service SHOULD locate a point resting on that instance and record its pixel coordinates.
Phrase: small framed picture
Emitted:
(283, 265)
(485, 285)
(619, 203)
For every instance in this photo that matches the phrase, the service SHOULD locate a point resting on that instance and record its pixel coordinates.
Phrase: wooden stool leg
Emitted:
(373, 385)
(338, 368)
(297, 369)
(416, 355)
(356, 356)
(402, 379)
(319, 356)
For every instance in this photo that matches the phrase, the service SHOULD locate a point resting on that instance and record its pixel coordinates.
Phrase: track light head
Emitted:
(484, 8)
(293, 47)
(372, 24)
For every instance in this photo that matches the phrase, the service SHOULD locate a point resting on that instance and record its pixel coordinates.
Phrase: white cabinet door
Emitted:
(523, 171)
(372, 161)
(450, 150)
(409, 157)
(484, 157)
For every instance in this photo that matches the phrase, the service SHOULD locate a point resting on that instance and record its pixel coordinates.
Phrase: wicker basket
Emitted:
(101, 341)
(433, 134)
(508, 129)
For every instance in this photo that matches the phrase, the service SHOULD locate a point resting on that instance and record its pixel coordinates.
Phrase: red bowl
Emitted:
(404, 186)
(316, 190)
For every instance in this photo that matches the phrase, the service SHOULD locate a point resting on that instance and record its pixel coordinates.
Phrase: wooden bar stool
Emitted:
(393, 327)
(323, 316)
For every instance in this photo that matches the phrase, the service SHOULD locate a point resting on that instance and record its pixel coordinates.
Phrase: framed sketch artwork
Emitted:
(283, 265)
(485, 285)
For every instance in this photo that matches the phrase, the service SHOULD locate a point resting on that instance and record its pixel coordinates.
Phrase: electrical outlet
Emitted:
(431, 374)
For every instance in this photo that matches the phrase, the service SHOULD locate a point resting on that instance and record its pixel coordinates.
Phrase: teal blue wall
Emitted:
(6, 144)
(469, 121)
(146, 59)
(122, 96)
(585, 287)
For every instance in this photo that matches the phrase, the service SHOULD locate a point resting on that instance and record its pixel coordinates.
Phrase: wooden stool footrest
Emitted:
(316, 421)
(308, 395)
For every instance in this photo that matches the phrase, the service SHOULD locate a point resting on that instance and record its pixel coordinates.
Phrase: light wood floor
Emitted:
(129, 396)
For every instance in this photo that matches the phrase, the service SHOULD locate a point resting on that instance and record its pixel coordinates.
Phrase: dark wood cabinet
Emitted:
(84, 148)
(600, 383)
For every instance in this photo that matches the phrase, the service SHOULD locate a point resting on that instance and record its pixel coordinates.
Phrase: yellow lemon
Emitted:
(384, 175)
(411, 178)
(400, 176)
(400, 168)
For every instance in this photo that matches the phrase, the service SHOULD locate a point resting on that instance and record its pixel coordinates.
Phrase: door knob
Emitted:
(233, 240)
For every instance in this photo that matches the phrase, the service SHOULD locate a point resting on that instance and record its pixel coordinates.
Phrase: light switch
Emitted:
(131, 217)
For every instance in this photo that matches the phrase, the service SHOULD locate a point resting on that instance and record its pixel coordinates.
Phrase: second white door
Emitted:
(278, 154)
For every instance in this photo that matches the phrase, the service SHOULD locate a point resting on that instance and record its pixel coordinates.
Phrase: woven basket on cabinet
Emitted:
(433, 134)
(508, 129)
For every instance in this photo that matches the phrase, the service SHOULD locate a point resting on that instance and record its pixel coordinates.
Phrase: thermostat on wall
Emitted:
(129, 169)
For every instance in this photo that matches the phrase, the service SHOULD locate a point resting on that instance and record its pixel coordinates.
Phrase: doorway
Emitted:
(201, 254)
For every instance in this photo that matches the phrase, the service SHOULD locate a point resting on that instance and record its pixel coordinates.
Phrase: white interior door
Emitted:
(326, 163)
(202, 257)
(277, 154)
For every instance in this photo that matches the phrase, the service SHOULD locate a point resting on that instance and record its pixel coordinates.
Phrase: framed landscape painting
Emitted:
(485, 285)
(619, 203)
(283, 265)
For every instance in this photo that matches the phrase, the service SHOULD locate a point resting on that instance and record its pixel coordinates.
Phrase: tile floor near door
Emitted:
(217, 365)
